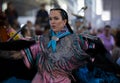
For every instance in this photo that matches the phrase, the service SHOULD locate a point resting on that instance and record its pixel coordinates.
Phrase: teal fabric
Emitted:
(29, 56)
(53, 42)
(15, 80)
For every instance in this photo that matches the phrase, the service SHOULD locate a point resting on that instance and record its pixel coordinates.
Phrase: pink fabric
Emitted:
(44, 77)
(47, 78)
(35, 49)
(44, 66)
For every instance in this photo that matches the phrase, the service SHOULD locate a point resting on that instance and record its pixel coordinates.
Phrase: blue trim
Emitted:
(29, 56)
(37, 59)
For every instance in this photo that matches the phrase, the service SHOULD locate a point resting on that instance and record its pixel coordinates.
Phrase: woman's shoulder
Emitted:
(73, 36)
(82, 36)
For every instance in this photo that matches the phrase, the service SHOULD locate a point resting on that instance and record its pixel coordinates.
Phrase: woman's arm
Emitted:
(16, 45)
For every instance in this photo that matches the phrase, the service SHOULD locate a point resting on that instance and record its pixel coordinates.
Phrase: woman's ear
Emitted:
(65, 22)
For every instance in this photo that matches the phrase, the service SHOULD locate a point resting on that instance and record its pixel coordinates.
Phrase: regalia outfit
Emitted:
(56, 57)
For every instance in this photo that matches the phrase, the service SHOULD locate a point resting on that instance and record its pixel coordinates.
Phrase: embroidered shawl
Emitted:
(69, 55)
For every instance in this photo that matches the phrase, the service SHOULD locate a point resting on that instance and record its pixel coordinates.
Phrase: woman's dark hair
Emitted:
(64, 16)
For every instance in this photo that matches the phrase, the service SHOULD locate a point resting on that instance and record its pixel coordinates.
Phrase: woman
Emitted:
(59, 51)
(56, 54)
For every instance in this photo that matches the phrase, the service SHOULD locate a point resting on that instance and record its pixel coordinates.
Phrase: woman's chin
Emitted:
(55, 30)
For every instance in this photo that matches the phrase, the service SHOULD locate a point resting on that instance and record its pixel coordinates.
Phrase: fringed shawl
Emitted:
(69, 55)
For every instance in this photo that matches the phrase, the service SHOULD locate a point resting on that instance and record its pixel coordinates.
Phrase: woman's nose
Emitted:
(52, 21)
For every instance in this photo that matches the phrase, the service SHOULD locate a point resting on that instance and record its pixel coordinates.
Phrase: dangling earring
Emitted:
(65, 27)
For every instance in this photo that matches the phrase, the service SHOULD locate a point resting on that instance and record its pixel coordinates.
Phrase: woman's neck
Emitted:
(62, 30)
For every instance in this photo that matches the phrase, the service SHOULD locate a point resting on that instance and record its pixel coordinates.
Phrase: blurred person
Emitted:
(107, 38)
(30, 29)
(116, 49)
(42, 17)
(11, 13)
(79, 27)
(16, 24)
(3, 27)
(93, 32)
(11, 62)
(99, 31)
(38, 31)
(47, 28)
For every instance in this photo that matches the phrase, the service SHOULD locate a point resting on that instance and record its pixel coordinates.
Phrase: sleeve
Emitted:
(30, 54)
(112, 40)
(16, 45)
(80, 56)
(30, 49)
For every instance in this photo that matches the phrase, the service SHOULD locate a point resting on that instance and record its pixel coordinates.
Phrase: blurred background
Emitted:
(97, 13)
(31, 18)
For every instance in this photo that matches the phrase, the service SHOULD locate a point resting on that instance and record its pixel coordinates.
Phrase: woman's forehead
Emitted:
(55, 13)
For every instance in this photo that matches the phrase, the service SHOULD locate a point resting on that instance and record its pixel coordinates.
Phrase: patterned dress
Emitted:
(55, 67)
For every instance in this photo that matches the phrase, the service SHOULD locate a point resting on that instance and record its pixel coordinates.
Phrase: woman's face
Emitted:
(56, 21)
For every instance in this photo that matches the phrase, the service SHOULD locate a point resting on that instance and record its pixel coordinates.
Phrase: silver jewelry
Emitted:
(55, 38)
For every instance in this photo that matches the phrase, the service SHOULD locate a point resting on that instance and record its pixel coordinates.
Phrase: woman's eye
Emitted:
(56, 18)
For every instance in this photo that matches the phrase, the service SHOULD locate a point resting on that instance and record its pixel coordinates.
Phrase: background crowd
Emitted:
(109, 36)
